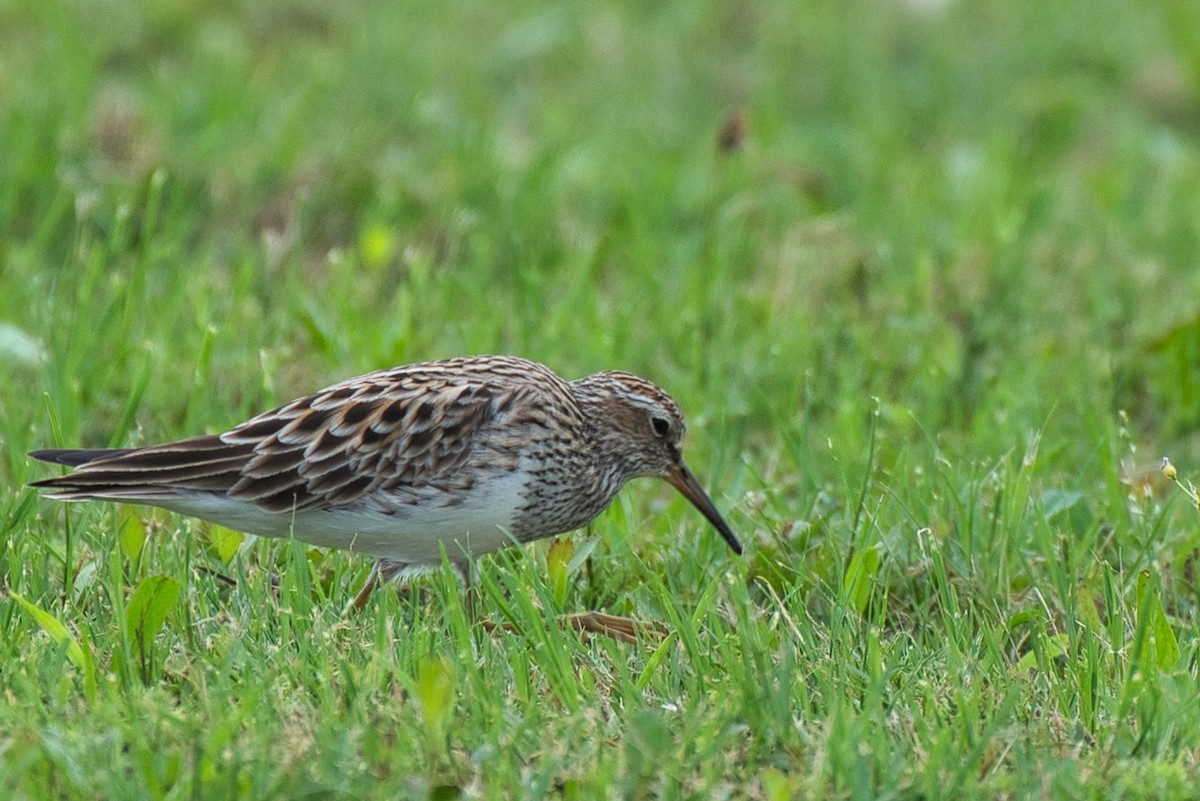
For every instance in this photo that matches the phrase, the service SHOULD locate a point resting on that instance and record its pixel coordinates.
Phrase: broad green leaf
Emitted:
(1018, 619)
(225, 542)
(55, 628)
(1166, 647)
(860, 578)
(132, 535)
(1053, 646)
(85, 577)
(1055, 501)
(1070, 506)
(148, 608)
(1159, 647)
(582, 550)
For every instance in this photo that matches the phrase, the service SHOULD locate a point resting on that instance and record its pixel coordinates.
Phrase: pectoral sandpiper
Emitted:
(464, 456)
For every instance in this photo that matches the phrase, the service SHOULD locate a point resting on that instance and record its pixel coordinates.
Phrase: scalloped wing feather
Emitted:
(385, 431)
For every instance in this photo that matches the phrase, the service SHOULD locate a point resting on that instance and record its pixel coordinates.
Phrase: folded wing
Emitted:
(385, 431)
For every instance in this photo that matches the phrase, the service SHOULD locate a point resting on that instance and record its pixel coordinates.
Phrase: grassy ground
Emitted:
(932, 314)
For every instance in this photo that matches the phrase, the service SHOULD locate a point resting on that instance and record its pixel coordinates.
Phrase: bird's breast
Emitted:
(562, 496)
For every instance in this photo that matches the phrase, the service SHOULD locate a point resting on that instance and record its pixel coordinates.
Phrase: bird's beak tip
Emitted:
(682, 479)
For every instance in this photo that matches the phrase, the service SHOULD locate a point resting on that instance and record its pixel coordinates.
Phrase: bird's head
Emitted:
(639, 427)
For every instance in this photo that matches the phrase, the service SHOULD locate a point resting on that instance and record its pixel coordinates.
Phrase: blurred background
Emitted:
(978, 221)
(924, 275)
(973, 211)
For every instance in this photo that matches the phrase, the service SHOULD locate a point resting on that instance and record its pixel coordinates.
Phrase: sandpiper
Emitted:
(462, 456)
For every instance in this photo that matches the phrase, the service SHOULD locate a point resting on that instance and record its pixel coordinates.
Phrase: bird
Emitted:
(461, 456)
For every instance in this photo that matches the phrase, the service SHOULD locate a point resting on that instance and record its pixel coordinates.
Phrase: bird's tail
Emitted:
(145, 475)
(75, 457)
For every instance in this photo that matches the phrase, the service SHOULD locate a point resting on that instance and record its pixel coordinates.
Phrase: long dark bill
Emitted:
(682, 479)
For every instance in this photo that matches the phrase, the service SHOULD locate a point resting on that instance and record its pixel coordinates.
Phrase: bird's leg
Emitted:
(466, 569)
(621, 629)
(383, 571)
(364, 595)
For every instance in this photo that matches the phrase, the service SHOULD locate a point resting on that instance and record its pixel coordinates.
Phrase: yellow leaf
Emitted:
(558, 562)
(435, 691)
(377, 244)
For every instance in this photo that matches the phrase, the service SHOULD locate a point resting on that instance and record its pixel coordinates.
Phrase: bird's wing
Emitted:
(384, 431)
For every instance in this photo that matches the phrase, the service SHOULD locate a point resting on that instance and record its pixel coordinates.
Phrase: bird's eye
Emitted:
(661, 426)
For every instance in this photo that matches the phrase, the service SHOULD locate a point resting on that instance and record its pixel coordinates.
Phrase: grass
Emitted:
(933, 320)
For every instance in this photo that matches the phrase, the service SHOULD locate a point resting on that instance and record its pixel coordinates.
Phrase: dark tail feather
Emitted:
(202, 463)
(75, 458)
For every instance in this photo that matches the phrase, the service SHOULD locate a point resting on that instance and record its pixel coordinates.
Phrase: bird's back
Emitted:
(407, 429)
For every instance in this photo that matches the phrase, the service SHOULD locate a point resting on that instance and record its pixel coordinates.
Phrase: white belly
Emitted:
(414, 534)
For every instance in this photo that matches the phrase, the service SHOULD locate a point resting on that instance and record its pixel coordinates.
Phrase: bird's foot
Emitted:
(622, 629)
